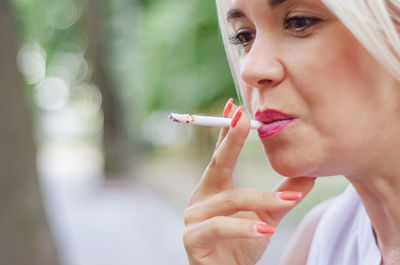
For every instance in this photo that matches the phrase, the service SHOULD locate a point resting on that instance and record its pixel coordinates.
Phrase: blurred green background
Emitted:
(92, 170)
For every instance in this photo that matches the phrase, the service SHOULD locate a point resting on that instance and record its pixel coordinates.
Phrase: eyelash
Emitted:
(236, 38)
(289, 24)
(310, 22)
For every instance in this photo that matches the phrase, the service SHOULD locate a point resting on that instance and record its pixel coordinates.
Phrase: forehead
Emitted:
(269, 3)
(237, 8)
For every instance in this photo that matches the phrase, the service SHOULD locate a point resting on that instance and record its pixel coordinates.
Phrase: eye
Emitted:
(300, 24)
(243, 38)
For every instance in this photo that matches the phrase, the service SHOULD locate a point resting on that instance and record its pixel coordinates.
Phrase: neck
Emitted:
(379, 191)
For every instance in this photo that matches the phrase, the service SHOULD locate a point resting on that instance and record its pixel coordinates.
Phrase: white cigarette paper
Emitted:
(208, 120)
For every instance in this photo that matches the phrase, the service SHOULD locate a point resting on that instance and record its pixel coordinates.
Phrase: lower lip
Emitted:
(267, 130)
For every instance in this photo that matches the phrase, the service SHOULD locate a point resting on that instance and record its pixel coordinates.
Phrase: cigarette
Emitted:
(208, 120)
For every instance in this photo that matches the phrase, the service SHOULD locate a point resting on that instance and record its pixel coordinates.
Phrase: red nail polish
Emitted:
(264, 229)
(289, 195)
(228, 108)
(236, 116)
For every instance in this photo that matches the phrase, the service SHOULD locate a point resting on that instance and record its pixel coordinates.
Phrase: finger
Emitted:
(218, 175)
(229, 110)
(231, 201)
(300, 184)
(221, 227)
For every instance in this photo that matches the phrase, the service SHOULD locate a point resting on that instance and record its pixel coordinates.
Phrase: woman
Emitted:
(323, 77)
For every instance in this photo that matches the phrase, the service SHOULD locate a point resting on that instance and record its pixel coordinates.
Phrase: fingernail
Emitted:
(228, 108)
(264, 229)
(236, 116)
(289, 195)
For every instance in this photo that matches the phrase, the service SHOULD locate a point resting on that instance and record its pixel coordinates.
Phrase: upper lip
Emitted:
(271, 115)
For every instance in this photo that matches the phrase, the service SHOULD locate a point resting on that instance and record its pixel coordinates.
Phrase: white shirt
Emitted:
(344, 235)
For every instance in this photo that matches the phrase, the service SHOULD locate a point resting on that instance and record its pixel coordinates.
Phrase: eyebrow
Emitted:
(235, 13)
(275, 3)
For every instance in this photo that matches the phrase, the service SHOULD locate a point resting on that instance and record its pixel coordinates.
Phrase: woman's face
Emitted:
(299, 59)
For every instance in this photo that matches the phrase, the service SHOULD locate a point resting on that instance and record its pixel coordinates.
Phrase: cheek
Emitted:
(338, 81)
(341, 90)
(338, 91)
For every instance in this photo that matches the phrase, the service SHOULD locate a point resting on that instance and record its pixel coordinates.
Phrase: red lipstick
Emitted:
(273, 122)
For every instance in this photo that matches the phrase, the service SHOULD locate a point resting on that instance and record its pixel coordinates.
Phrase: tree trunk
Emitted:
(116, 143)
(25, 238)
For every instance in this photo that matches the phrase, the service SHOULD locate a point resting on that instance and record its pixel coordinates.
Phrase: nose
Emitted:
(261, 67)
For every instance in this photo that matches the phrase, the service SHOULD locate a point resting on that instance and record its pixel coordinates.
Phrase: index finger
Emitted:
(224, 131)
(218, 175)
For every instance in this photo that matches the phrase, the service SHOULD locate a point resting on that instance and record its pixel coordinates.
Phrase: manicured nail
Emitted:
(289, 195)
(264, 229)
(228, 108)
(236, 116)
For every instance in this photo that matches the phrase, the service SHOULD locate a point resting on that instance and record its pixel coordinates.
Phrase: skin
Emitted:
(346, 107)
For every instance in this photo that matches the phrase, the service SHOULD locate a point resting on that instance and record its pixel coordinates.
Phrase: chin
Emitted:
(290, 170)
(295, 158)
(294, 166)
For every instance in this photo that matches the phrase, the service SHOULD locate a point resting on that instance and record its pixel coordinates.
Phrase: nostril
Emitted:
(264, 81)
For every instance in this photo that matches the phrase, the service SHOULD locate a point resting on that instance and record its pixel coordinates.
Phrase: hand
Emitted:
(226, 225)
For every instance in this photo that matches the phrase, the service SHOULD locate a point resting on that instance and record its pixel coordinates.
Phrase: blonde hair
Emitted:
(232, 51)
(373, 22)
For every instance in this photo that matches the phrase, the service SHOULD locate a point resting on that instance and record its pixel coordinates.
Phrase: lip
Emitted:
(273, 121)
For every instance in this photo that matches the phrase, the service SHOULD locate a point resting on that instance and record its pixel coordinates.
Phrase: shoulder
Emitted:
(300, 243)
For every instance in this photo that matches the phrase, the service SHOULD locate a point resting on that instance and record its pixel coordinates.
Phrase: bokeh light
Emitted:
(88, 99)
(62, 14)
(52, 94)
(70, 66)
(32, 62)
